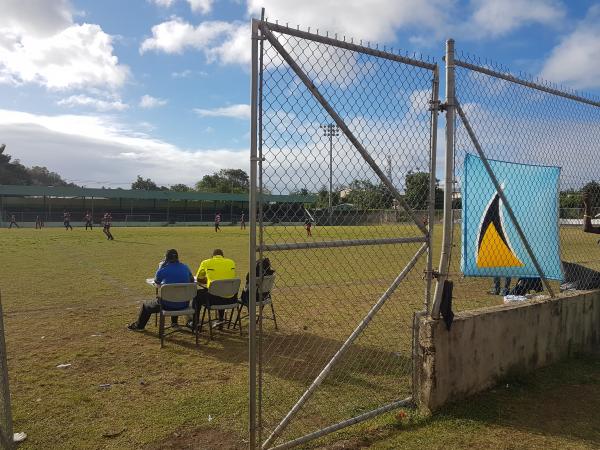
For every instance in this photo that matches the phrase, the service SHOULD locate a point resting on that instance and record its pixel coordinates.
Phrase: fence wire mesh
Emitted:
(517, 123)
(322, 294)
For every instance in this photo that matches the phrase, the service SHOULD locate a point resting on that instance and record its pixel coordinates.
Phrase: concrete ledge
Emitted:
(487, 345)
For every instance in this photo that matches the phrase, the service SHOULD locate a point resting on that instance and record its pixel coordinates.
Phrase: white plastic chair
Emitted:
(264, 288)
(226, 289)
(176, 292)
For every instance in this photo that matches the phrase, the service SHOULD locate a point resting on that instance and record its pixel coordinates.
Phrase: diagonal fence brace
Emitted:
(341, 124)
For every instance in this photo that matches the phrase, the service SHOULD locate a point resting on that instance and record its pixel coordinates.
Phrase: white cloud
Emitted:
(147, 101)
(119, 153)
(98, 104)
(234, 111)
(499, 17)
(576, 60)
(235, 49)
(176, 35)
(201, 6)
(375, 20)
(163, 3)
(187, 73)
(40, 44)
(38, 18)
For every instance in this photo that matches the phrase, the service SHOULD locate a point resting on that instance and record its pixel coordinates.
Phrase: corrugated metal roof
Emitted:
(62, 191)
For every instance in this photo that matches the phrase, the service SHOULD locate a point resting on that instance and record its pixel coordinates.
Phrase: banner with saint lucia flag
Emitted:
(490, 244)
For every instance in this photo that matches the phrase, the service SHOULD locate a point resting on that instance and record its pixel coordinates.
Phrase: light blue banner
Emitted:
(490, 244)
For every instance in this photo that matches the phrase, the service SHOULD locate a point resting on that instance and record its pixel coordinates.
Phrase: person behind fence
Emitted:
(263, 266)
(496, 289)
(170, 271)
(216, 268)
(587, 215)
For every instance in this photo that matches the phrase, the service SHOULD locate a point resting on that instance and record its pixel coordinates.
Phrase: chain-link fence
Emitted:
(6, 427)
(353, 126)
(515, 119)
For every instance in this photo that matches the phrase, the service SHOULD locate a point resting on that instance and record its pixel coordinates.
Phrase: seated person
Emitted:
(216, 268)
(263, 265)
(170, 271)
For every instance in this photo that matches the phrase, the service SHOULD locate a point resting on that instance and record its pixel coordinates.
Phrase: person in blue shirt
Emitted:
(169, 271)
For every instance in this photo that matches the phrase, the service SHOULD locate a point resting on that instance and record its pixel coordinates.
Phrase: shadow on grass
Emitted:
(297, 356)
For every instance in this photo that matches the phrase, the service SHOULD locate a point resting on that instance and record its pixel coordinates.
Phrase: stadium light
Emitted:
(330, 130)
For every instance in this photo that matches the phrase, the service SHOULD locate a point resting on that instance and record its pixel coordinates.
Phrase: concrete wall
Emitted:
(486, 345)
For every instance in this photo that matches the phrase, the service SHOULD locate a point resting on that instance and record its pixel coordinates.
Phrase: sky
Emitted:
(101, 92)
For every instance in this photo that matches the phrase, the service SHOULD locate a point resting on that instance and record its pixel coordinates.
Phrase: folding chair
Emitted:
(226, 289)
(176, 292)
(268, 282)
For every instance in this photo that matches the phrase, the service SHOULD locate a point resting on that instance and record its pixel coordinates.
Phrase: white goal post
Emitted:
(137, 220)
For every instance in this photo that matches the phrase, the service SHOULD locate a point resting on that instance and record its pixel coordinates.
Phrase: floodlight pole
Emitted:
(330, 130)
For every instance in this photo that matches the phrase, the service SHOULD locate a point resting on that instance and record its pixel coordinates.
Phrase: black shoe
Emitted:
(133, 327)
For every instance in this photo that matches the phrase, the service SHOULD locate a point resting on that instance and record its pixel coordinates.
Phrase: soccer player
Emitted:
(217, 222)
(88, 220)
(38, 223)
(67, 220)
(308, 226)
(243, 222)
(13, 221)
(107, 222)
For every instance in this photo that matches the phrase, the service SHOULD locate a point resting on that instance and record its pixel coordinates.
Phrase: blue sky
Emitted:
(103, 91)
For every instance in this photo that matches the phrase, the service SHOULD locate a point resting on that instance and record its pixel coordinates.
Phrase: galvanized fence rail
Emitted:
(6, 425)
(355, 125)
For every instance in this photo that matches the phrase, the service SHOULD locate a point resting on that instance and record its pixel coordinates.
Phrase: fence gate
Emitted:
(341, 128)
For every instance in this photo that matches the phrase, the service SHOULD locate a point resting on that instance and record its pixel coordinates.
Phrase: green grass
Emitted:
(67, 297)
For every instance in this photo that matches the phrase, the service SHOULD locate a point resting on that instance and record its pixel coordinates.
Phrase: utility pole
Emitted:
(330, 130)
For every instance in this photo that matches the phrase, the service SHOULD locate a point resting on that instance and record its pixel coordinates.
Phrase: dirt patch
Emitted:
(200, 439)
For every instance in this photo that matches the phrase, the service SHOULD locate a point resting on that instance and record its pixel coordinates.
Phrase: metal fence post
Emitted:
(449, 182)
(252, 247)
(6, 428)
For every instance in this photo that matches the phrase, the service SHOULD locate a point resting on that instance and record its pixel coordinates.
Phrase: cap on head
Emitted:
(172, 255)
(217, 251)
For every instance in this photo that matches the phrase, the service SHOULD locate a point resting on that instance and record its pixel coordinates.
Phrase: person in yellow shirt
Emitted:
(216, 268)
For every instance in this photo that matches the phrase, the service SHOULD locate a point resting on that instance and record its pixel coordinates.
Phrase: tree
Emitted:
(593, 190)
(144, 184)
(365, 194)
(180, 188)
(416, 191)
(225, 181)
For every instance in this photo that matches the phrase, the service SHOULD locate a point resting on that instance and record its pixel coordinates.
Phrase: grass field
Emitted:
(68, 296)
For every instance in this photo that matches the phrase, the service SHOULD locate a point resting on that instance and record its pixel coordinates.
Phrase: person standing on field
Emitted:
(67, 220)
(107, 222)
(13, 221)
(88, 221)
(243, 222)
(217, 222)
(308, 226)
(38, 223)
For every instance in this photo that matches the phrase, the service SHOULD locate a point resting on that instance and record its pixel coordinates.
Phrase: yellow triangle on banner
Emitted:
(493, 252)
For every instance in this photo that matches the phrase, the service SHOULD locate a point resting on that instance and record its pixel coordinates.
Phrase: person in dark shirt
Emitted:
(218, 222)
(171, 271)
(13, 221)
